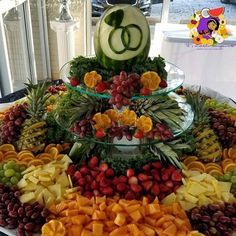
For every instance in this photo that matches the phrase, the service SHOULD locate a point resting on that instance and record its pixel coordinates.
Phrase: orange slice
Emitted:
(92, 78)
(7, 147)
(196, 164)
(225, 153)
(1, 156)
(231, 152)
(196, 169)
(27, 159)
(49, 146)
(190, 159)
(53, 152)
(24, 152)
(53, 228)
(9, 157)
(113, 115)
(229, 167)
(59, 148)
(60, 156)
(46, 159)
(215, 172)
(10, 153)
(210, 168)
(42, 155)
(66, 146)
(226, 161)
(35, 162)
(213, 165)
(102, 121)
(26, 155)
(150, 80)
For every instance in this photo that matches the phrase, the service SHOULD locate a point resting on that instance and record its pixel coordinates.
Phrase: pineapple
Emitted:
(208, 147)
(162, 109)
(33, 130)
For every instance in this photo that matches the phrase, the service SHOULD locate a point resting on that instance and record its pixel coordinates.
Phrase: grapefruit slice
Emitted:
(216, 12)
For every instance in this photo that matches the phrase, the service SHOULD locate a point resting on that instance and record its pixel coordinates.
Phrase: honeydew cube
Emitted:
(170, 199)
(97, 229)
(181, 189)
(196, 188)
(120, 219)
(27, 197)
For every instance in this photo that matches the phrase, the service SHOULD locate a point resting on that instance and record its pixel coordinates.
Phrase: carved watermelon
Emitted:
(216, 12)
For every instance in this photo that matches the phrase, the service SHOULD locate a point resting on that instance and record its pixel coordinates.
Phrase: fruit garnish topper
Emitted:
(208, 26)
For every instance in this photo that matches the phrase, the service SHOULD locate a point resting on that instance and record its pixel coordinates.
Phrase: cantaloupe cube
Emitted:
(142, 210)
(78, 220)
(179, 223)
(82, 201)
(164, 219)
(100, 199)
(120, 219)
(132, 208)
(145, 201)
(86, 210)
(97, 229)
(109, 223)
(101, 215)
(152, 209)
(147, 230)
(133, 229)
(86, 232)
(75, 230)
(110, 206)
(119, 231)
(151, 221)
(181, 233)
(102, 206)
(117, 208)
(136, 215)
(171, 230)
(166, 224)
(158, 230)
(124, 203)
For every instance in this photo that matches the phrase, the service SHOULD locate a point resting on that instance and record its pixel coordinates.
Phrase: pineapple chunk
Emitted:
(136, 215)
(97, 229)
(190, 198)
(22, 183)
(27, 197)
(196, 188)
(224, 186)
(170, 199)
(33, 179)
(63, 180)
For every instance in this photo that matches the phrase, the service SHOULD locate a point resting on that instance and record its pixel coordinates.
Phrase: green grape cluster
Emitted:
(10, 173)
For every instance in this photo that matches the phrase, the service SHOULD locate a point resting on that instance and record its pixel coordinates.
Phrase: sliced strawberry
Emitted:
(155, 190)
(94, 173)
(146, 167)
(104, 182)
(157, 165)
(147, 185)
(130, 195)
(99, 177)
(133, 180)
(164, 188)
(103, 167)
(71, 170)
(101, 87)
(143, 177)
(74, 81)
(155, 174)
(89, 179)
(109, 172)
(139, 134)
(88, 194)
(169, 184)
(77, 175)
(135, 188)
(108, 191)
(145, 91)
(122, 179)
(176, 176)
(130, 173)
(163, 84)
(100, 133)
(84, 170)
(93, 161)
(81, 182)
(94, 185)
(115, 181)
(121, 187)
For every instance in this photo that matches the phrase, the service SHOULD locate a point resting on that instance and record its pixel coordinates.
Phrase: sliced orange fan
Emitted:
(150, 80)
(53, 228)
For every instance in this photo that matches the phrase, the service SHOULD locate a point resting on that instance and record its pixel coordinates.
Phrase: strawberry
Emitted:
(176, 176)
(135, 188)
(143, 177)
(145, 91)
(133, 180)
(163, 84)
(99, 177)
(130, 173)
(193, 22)
(166, 172)
(100, 133)
(107, 191)
(94, 173)
(104, 182)
(163, 188)
(74, 81)
(77, 175)
(109, 172)
(93, 161)
(103, 167)
(94, 185)
(139, 134)
(122, 179)
(101, 87)
(165, 176)
(169, 184)
(71, 170)
(121, 187)
(147, 185)
(115, 181)
(88, 194)
(84, 170)
(156, 174)
(129, 195)
(157, 165)
(89, 179)
(81, 182)
(155, 189)
(87, 187)
(146, 167)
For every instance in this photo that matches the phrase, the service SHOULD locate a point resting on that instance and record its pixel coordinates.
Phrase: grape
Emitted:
(9, 172)
(83, 127)
(14, 180)
(1, 173)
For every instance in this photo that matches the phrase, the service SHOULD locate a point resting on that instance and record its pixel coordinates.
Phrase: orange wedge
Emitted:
(26, 155)
(231, 151)
(7, 147)
(196, 164)
(35, 162)
(53, 151)
(226, 161)
(66, 146)
(229, 167)
(215, 172)
(60, 156)
(189, 159)
(46, 159)
(53, 228)
(1, 156)
(59, 148)
(210, 168)
(42, 155)
(49, 146)
(225, 153)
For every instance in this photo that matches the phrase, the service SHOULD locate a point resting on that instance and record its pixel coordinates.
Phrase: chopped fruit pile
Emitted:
(27, 218)
(45, 184)
(200, 189)
(214, 219)
(57, 88)
(106, 216)
(154, 180)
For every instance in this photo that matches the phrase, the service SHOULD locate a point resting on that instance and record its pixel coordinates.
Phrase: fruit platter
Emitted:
(119, 147)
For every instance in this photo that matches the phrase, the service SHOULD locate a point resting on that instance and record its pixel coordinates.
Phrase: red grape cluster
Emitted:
(123, 88)
(214, 219)
(224, 127)
(120, 131)
(25, 217)
(12, 121)
(56, 88)
(160, 132)
(83, 127)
